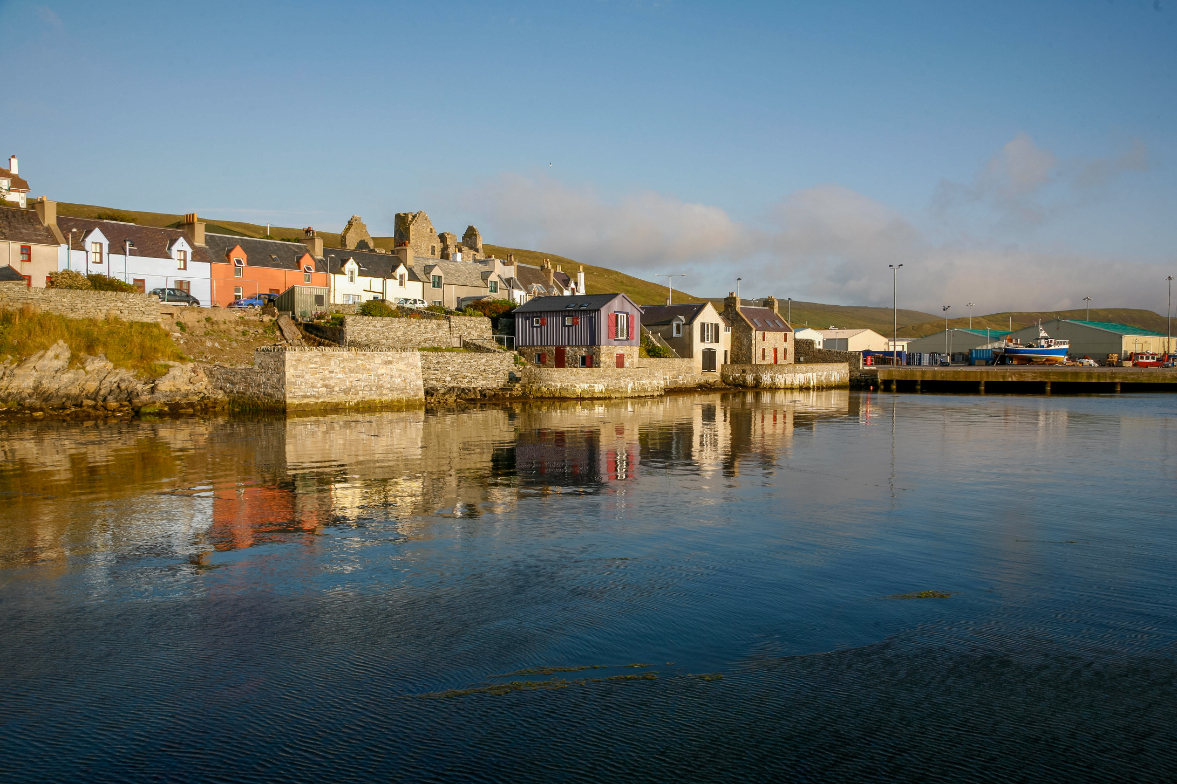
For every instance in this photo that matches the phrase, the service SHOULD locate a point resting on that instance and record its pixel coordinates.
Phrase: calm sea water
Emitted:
(466, 595)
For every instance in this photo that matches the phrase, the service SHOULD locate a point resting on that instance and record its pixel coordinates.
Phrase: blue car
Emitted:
(260, 301)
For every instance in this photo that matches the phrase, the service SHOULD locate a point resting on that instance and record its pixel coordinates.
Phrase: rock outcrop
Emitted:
(46, 380)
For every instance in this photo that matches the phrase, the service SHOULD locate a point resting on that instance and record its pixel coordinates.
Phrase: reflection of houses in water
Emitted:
(583, 457)
(246, 516)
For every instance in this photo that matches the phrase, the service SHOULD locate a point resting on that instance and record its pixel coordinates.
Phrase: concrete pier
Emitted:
(1025, 378)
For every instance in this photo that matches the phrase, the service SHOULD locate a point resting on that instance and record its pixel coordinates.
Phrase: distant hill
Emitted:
(1131, 316)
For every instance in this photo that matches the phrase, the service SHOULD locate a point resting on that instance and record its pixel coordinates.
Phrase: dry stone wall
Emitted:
(450, 371)
(798, 376)
(79, 303)
(680, 373)
(400, 334)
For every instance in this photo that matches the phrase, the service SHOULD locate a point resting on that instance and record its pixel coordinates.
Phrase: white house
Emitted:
(13, 187)
(358, 276)
(809, 333)
(144, 256)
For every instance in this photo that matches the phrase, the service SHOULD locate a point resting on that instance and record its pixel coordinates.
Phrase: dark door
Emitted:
(774, 359)
(621, 360)
(708, 360)
(560, 359)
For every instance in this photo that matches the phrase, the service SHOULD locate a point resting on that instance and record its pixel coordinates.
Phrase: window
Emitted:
(26, 253)
(275, 292)
(351, 276)
(95, 252)
(401, 280)
(494, 287)
(677, 331)
(237, 265)
(306, 277)
(621, 326)
(433, 250)
(586, 360)
(764, 336)
(708, 333)
(756, 322)
(184, 286)
(182, 259)
(140, 285)
(319, 299)
(539, 358)
(436, 303)
(536, 321)
(236, 292)
(436, 281)
(727, 328)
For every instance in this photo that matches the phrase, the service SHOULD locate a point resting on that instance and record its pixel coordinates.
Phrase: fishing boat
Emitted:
(1045, 350)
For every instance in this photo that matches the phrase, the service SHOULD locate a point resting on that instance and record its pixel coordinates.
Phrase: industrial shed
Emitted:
(1097, 339)
(960, 341)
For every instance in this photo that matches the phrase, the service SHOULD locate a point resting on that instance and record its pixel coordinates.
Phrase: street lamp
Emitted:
(970, 306)
(946, 333)
(894, 311)
(790, 311)
(670, 286)
(1169, 319)
(1088, 301)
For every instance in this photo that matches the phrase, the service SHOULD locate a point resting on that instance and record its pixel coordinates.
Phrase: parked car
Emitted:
(259, 301)
(410, 302)
(175, 296)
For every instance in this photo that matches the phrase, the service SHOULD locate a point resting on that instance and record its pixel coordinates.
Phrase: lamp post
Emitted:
(1169, 319)
(946, 333)
(894, 311)
(970, 306)
(790, 311)
(670, 285)
(1088, 301)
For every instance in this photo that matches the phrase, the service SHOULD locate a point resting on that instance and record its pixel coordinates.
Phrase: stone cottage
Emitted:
(759, 335)
(695, 331)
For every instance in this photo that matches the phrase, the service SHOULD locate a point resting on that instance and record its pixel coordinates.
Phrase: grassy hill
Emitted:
(819, 316)
(167, 220)
(1131, 316)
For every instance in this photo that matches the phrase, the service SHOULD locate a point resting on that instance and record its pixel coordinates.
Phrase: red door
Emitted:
(560, 358)
(774, 359)
(621, 360)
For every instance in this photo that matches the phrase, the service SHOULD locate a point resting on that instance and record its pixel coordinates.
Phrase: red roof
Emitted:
(18, 183)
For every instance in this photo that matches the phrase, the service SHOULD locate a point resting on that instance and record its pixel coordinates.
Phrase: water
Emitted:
(313, 598)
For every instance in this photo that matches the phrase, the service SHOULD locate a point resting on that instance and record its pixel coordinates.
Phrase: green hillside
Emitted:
(819, 316)
(1130, 316)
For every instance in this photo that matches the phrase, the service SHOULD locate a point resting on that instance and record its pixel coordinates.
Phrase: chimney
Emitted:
(731, 305)
(549, 273)
(193, 229)
(404, 255)
(47, 213)
(313, 242)
(770, 302)
(13, 164)
(580, 280)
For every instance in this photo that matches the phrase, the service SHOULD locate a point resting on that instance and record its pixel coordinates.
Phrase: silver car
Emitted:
(410, 302)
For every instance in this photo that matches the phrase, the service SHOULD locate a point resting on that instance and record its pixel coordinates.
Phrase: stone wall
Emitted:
(400, 334)
(591, 382)
(302, 378)
(451, 371)
(807, 351)
(679, 373)
(80, 304)
(603, 356)
(798, 376)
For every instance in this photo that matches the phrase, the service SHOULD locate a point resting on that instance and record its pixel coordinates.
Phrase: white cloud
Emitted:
(825, 244)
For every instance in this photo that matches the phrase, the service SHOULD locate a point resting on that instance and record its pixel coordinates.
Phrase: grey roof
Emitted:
(653, 315)
(19, 225)
(274, 254)
(372, 265)
(764, 320)
(8, 273)
(148, 241)
(547, 304)
(528, 276)
(459, 273)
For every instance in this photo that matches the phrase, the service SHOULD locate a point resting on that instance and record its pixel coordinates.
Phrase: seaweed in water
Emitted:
(551, 670)
(921, 595)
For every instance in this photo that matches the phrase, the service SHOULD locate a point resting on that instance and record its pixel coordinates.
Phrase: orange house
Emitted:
(243, 267)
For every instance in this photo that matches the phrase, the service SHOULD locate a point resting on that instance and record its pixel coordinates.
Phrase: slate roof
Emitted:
(1120, 329)
(8, 273)
(372, 265)
(534, 276)
(460, 273)
(273, 254)
(149, 241)
(764, 320)
(20, 225)
(656, 315)
(18, 183)
(548, 304)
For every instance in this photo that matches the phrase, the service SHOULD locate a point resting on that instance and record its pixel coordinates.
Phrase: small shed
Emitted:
(579, 331)
(302, 302)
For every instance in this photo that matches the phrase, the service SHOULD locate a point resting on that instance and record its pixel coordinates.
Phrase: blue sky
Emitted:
(803, 146)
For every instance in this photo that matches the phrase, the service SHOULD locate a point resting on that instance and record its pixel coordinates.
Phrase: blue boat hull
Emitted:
(1028, 355)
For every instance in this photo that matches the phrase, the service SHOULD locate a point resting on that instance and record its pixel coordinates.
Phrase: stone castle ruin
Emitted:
(415, 230)
(355, 235)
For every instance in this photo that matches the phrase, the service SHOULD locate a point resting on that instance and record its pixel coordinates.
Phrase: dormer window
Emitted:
(306, 273)
(436, 281)
(494, 287)
(351, 276)
(182, 259)
(401, 279)
(237, 267)
(95, 252)
(677, 329)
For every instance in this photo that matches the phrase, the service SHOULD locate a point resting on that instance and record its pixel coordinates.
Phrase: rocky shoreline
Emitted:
(46, 386)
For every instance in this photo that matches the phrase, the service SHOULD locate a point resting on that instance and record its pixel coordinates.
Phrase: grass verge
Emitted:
(137, 346)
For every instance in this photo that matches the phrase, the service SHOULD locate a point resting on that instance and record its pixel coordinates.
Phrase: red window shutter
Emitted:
(628, 325)
(576, 321)
(784, 355)
(774, 357)
(588, 360)
(543, 321)
(613, 327)
(543, 359)
(28, 280)
(762, 354)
